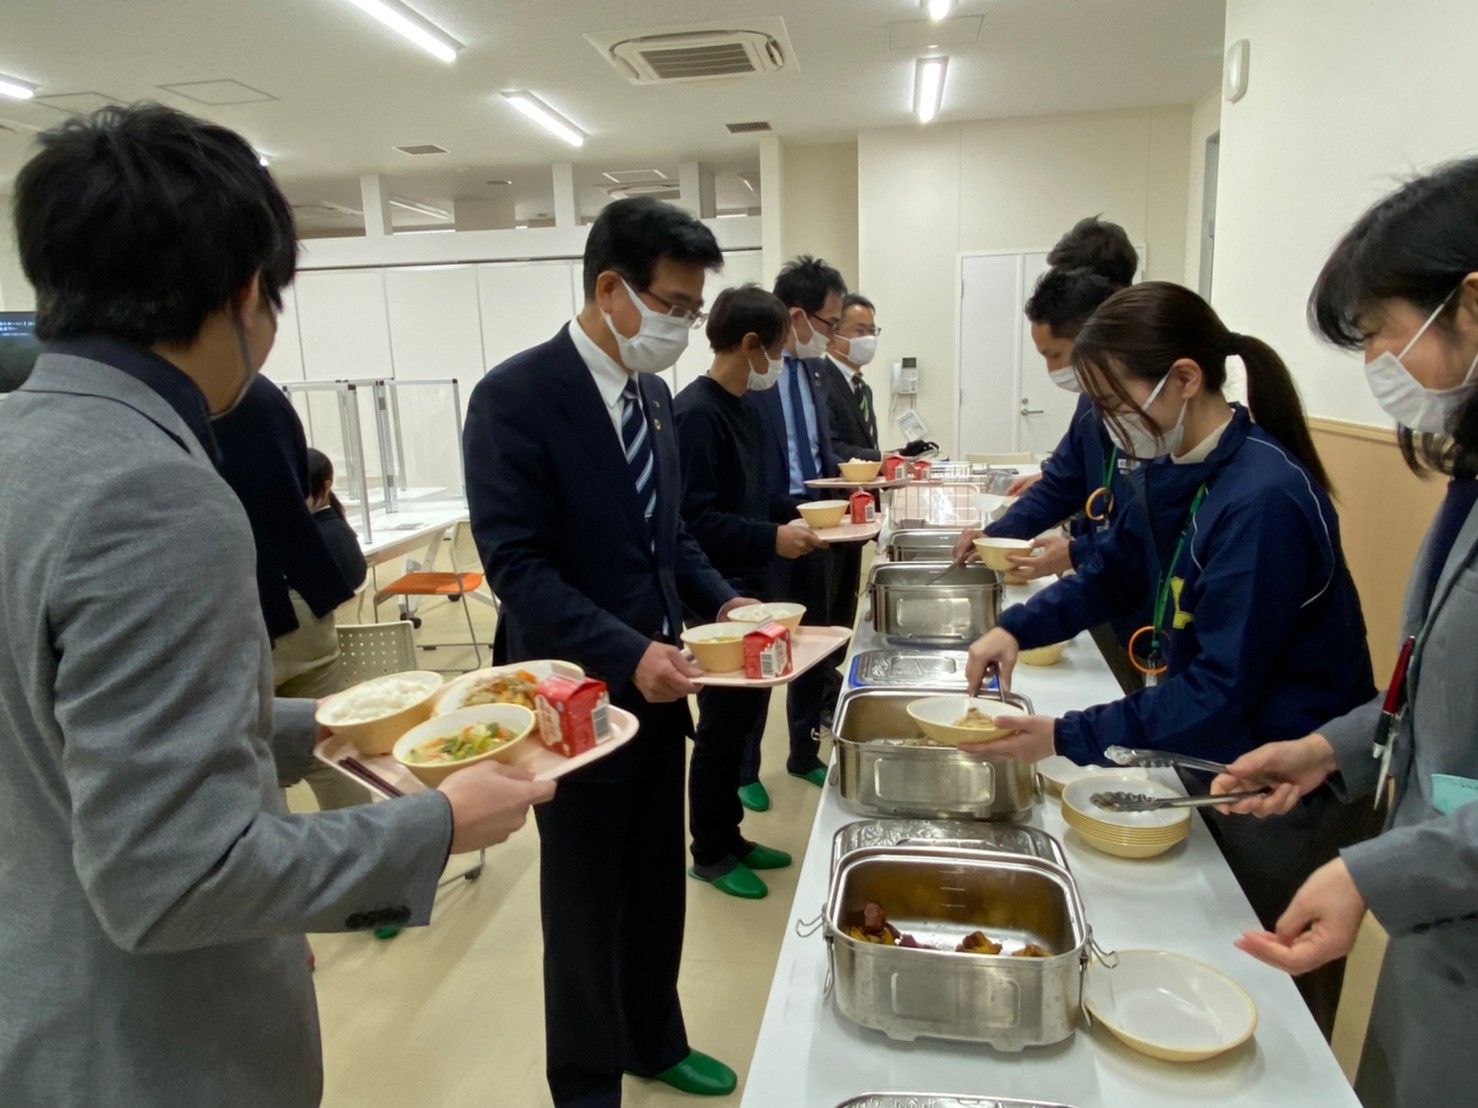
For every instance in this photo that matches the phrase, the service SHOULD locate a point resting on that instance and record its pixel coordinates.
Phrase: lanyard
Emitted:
(1153, 667)
(1104, 491)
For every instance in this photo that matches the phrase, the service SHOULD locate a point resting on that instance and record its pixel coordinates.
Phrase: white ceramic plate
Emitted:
(1060, 772)
(1079, 795)
(1170, 1006)
(456, 690)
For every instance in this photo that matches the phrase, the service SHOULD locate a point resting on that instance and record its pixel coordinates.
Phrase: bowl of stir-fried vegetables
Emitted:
(436, 749)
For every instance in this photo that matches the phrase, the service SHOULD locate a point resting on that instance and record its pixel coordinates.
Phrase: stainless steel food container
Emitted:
(1001, 838)
(941, 1100)
(898, 668)
(909, 606)
(939, 896)
(883, 768)
(921, 545)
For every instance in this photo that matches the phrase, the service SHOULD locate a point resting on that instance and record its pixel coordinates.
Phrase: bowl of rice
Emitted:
(374, 713)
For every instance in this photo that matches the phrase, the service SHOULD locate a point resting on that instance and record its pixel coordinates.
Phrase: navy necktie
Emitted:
(641, 462)
(798, 431)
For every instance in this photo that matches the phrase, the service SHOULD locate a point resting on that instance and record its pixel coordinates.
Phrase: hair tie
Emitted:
(1234, 343)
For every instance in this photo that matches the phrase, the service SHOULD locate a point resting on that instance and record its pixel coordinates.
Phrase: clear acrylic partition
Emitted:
(395, 445)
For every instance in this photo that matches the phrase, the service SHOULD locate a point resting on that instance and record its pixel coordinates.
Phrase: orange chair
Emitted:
(456, 586)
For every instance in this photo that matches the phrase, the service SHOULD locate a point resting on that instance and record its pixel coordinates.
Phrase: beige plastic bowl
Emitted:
(860, 471)
(717, 657)
(993, 551)
(510, 717)
(823, 514)
(936, 716)
(780, 611)
(377, 736)
(1043, 655)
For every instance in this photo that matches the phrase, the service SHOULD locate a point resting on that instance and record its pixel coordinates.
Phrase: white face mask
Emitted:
(1407, 400)
(861, 349)
(1065, 378)
(659, 342)
(814, 347)
(1132, 437)
(759, 382)
(251, 372)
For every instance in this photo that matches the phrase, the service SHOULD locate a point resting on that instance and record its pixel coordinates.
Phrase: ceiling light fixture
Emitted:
(938, 9)
(929, 87)
(262, 159)
(413, 26)
(545, 116)
(16, 89)
(419, 208)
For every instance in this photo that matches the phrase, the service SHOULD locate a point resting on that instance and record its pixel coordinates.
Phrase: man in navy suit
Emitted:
(574, 487)
(798, 449)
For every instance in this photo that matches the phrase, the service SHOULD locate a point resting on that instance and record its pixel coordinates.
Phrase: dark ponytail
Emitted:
(320, 475)
(1145, 329)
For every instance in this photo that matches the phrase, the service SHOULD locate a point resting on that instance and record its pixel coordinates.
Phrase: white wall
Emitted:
(819, 212)
(1205, 122)
(16, 294)
(928, 194)
(1344, 99)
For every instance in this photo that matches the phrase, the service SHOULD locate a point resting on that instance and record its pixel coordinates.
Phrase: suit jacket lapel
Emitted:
(1458, 559)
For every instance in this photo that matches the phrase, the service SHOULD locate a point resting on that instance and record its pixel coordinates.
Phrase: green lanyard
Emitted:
(1110, 467)
(1163, 590)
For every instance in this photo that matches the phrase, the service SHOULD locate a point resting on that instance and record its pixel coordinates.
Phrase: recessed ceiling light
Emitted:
(419, 208)
(938, 9)
(545, 116)
(499, 183)
(263, 160)
(929, 87)
(413, 26)
(16, 89)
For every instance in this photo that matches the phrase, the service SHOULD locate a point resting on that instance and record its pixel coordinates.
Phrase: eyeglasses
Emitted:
(831, 325)
(695, 317)
(864, 331)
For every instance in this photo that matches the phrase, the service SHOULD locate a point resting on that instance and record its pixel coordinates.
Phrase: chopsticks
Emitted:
(369, 777)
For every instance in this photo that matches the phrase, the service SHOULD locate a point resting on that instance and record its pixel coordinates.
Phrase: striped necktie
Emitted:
(640, 460)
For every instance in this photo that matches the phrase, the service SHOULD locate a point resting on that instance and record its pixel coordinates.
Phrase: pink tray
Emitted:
(810, 646)
(532, 754)
(851, 532)
(843, 483)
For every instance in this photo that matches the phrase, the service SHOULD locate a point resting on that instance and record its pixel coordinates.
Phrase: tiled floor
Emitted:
(452, 1014)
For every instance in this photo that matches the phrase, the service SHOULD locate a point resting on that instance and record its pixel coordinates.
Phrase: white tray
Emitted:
(851, 532)
(809, 646)
(843, 483)
(531, 754)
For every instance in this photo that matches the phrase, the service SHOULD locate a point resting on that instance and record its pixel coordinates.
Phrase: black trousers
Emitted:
(612, 900)
(1271, 858)
(728, 721)
(846, 581)
(806, 580)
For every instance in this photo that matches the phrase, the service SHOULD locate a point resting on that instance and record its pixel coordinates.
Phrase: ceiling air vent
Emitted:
(748, 128)
(698, 52)
(658, 191)
(423, 148)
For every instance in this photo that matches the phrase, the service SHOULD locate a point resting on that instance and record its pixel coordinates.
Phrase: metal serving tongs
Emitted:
(1160, 759)
(1140, 802)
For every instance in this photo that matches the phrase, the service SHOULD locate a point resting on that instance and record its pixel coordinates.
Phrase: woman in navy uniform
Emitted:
(1255, 629)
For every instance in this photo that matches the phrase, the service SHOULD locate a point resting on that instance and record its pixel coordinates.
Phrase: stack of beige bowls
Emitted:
(1124, 834)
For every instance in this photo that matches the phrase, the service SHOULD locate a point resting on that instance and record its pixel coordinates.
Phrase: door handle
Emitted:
(1030, 411)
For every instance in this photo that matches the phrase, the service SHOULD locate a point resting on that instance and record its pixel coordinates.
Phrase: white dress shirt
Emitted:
(610, 375)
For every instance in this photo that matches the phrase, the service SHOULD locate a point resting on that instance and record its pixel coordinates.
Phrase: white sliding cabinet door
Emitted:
(991, 329)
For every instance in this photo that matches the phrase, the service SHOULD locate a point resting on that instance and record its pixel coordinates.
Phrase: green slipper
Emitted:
(816, 776)
(766, 857)
(754, 797)
(739, 881)
(700, 1075)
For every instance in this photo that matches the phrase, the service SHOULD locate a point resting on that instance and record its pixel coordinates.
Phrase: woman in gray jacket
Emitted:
(1403, 286)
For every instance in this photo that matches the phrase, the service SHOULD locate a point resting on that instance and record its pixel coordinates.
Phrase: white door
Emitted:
(1043, 409)
(990, 352)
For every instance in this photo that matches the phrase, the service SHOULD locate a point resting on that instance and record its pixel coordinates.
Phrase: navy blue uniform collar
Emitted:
(168, 380)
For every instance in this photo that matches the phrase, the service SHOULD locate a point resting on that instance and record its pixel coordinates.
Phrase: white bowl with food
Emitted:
(511, 684)
(717, 647)
(780, 611)
(1059, 772)
(962, 719)
(374, 713)
(1169, 1006)
(821, 515)
(438, 748)
(859, 470)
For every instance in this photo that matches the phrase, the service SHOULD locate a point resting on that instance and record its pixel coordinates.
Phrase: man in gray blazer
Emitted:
(155, 889)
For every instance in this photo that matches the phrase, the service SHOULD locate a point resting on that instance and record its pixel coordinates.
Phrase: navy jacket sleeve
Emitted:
(741, 538)
(508, 464)
(1264, 549)
(1060, 493)
(699, 585)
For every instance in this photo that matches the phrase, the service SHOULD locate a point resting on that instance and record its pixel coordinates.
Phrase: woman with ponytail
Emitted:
(1402, 287)
(1255, 631)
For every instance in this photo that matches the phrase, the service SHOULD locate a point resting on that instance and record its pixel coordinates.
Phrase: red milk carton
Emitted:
(767, 651)
(921, 470)
(895, 468)
(863, 510)
(574, 713)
